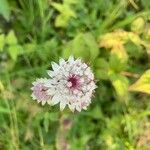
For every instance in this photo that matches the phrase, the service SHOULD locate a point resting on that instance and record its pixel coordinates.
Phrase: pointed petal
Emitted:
(55, 66)
(72, 107)
(33, 97)
(43, 102)
(51, 73)
(62, 105)
(61, 61)
(71, 59)
(55, 100)
(34, 83)
(78, 108)
(85, 108)
(49, 101)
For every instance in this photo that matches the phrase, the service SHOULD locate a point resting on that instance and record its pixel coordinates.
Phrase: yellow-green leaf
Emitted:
(143, 84)
(120, 83)
(1, 87)
(66, 12)
(138, 24)
(11, 38)
(61, 21)
(14, 51)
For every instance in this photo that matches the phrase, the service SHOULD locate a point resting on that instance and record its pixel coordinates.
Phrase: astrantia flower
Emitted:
(40, 91)
(71, 83)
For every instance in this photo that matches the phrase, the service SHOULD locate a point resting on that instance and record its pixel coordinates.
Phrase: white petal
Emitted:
(43, 102)
(33, 97)
(51, 91)
(61, 61)
(71, 59)
(38, 101)
(34, 83)
(55, 100)
(78, 108)
(85, 108)
(51, 73)
(55, 66)
(49, 101)
(84, 66)
(72, 107)
(66, 73)
(62, 105)
(78, 61)
(48, 85)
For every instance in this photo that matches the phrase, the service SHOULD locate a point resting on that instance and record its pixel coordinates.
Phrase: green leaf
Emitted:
(57, 6)
(77, 48)
(61, 21)
(1, 87)
(120, 83)
(146, 4)
(101, 74)
(2, 41)
(101, 63)
(54, 116)
(96, 113)
(30, 47)
(83, 45)
(143, 84)
(11, 38)
(70, 2)
(46, 121)
(80, 48)
(66, 12)
(92, 44)
(138, 24)
(14, 51)
(68, 50)
(116, 64)
(102, 68)
(5, 9)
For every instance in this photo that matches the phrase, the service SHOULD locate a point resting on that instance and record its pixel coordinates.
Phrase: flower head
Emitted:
(71, 83)
(39, 91)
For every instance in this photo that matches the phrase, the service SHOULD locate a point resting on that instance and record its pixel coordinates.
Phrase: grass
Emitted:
(33, 33)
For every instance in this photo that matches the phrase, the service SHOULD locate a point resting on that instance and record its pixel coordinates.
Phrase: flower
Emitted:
(39, 91)
(71, 83)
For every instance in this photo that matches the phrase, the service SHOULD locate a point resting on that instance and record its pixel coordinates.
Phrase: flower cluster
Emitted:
(71, 83)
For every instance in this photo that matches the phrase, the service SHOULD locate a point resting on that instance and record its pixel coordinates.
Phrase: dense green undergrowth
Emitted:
(112, 36)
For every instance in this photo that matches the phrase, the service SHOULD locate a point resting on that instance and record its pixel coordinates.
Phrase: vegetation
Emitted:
(113, 36)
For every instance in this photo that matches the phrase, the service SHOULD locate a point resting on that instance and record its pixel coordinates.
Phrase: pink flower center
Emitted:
(74, 81)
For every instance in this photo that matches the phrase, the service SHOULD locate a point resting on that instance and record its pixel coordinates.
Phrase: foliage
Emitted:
(142, 84)
(5, 9)
(113, 37)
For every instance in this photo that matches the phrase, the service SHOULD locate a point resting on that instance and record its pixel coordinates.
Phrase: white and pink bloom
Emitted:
(40, 91)
(71, 83)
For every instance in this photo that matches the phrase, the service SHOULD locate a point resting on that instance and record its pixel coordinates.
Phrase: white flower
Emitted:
(71, 83)
(40, 91)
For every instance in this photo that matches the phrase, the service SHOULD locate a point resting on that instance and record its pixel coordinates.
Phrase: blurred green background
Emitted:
(113, 36)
